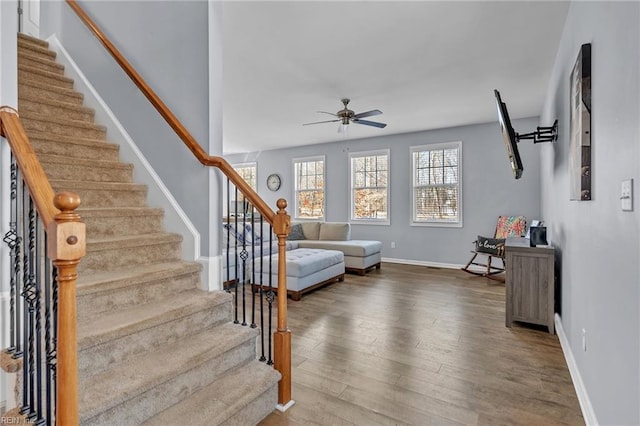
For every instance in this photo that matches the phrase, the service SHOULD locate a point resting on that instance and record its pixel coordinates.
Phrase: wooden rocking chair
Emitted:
(508, 226)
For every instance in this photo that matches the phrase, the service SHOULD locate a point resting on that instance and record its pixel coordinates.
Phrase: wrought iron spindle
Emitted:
(261, 281)
(244, 254)
(270, 295)
(29, 295)
(38, 278)
(52, 357)
(48, 336)
(253, 269)
(227, 227)
(235, 229)
(12, 239)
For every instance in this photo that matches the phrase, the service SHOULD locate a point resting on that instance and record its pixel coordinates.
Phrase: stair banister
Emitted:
(280, 221)
(66, 246)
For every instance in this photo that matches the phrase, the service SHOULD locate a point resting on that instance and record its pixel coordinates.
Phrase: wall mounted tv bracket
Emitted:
(542, 134)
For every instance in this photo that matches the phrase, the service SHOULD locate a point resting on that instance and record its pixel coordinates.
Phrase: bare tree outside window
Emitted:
(309, 188)
(436, 183)
(369, 186)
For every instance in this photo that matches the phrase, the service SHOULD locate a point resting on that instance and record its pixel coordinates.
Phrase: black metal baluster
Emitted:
(48, 337)
(262, 357)
(270, 295)
(227, 226)
(244, 254)
(253, 270)
(12, 240)
(38, 271)
(52, 357)
(25, 409)
(235, 233)
(29, 296)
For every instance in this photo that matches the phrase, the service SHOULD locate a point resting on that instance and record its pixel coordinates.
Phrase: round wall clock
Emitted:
(274, 182)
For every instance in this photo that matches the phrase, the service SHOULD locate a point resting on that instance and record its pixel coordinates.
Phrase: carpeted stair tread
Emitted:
(35, 104)
(87, 162)
(53, 92)
(125, 241)
(32, 117)
(100, 292)
(120, 211)
(109, 186)
(25, 45)
(27, 72)
(62, 167)
(112, 221)
(45, 63)
(130, 378)
(209, 406)
(73, 146)
(134, 319)
(26, 38)
(104, 194)
(102, 281)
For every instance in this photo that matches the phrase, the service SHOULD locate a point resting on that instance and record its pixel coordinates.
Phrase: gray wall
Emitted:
(488, 191)
(598, 241)
(167, 43)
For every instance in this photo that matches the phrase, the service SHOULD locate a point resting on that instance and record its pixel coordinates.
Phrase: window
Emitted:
(309, 187)
(369, 186)
(436, 197)
(248, 172)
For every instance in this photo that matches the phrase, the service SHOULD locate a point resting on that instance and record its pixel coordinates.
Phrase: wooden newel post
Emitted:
(282, 336)
(66, 245)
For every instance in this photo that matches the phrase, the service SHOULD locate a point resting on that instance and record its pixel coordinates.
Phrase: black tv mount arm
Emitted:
(542, 134)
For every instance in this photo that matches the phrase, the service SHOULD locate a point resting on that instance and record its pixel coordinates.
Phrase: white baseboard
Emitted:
(581, 391)
(285, 407)
(422, 263)
(175, 219)
(211, 273)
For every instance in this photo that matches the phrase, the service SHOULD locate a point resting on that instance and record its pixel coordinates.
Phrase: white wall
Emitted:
(489, 188)
(167, 43)
(597, 242)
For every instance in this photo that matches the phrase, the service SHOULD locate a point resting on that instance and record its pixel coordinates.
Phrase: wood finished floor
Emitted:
(421, 346)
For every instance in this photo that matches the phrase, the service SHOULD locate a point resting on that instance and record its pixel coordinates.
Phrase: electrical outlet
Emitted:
(393, 244)
(584, 339)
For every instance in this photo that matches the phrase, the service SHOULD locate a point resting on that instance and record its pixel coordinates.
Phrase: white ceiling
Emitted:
(426, 65)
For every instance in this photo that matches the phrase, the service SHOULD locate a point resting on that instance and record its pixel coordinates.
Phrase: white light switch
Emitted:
(626, 195)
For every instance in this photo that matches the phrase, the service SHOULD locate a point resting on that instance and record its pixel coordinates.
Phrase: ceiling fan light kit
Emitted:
(346, 116)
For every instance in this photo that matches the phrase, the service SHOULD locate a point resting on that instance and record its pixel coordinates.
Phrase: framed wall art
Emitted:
(580, 127)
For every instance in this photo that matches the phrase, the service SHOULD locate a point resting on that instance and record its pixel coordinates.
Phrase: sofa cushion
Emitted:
(357, 248)
(311, 230)
(332, 231)
(305, 261)
(296, 232)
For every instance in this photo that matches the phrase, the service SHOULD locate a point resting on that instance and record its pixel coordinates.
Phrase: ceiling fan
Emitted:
(346, 116)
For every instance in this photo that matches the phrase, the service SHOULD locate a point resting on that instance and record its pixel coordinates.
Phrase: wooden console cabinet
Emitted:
(530, 283)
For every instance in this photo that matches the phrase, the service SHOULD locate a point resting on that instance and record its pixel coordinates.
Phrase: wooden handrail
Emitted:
(173, 121)
(32, 171)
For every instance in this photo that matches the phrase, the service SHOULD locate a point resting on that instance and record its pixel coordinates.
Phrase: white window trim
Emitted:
(436, 146)
(353, 155)
(295, 189)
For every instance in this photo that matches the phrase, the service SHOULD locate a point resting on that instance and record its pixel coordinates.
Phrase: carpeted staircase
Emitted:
(152, 347)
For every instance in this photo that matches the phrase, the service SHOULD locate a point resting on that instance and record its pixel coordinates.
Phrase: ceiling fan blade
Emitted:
(370, 123)
(318, 122)
(325, 112)
(368, 113)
